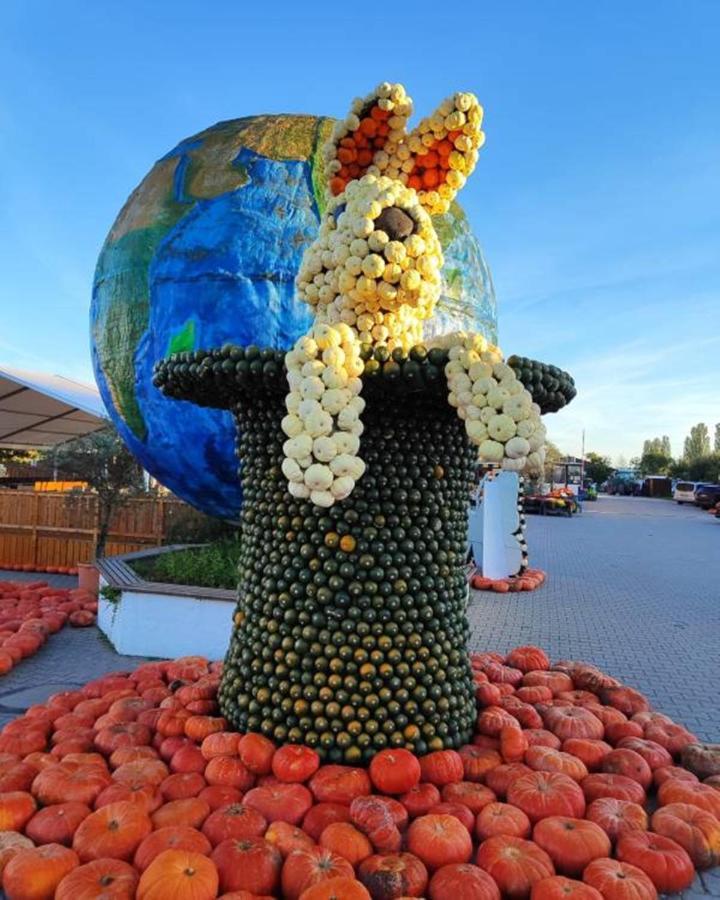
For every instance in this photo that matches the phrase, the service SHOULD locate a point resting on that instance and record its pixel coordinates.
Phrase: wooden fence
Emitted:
(51, 529)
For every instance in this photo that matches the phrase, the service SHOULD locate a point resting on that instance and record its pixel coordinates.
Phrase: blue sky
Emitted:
(597, 197)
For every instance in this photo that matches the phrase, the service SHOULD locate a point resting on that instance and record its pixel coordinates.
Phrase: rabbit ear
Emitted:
(439, 155)
(368, 138)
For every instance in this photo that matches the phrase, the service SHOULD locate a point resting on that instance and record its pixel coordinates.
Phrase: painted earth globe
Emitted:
(205, 253)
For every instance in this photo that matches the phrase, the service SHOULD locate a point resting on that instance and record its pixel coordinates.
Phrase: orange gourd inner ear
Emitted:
(431, 167)
(357, 149)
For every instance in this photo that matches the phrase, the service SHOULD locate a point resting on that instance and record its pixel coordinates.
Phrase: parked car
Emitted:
(707, 495)
(684, 492)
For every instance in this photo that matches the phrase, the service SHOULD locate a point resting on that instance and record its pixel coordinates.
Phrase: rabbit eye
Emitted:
(339, 210)
(395, 222)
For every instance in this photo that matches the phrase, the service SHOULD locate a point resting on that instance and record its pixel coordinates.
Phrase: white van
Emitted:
(685, 492)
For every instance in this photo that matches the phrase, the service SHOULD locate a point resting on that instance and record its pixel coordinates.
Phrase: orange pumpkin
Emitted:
(461, 881)
(343, 839)
(11, 843)
(256, 752)
(250, 864)
(663, 860)
(470, 794)
(540, 737)
(501, 818)
(477, 761)
(558, 887)
(695, 830)
(217, 795)
(590, 752)
(339, 784)
(131, 754)
(141, 772)
(571, 843)
(182, 785)
(335, 889)
(514, 864)
(619, 880)
(16, 810)
(172, 837)
(144, 794)
(573, 722)
(192, 812)
(654, 754)
(66, 782)
(179, 874)
(556, 681)
(421, 799)
(439, 840)
(617, 816)
(501, 777)
(543, 759)
(235, 821)
(603, 784)
(627, 700)
(197, 728)
(389, 875)
(188, 759)
(395, 771)
(528, 659)
(542, 794)
(288, 838)
(220, 743)
(665, 773)
(34, 874)
(441, 767)
(321, 815)
(108, 879)
(629, 763)
(304, 868)
(701, 795)
(115, 830)
(229, 770)
(287, 802)
(295, 763)
(513, 744)
(57, 824)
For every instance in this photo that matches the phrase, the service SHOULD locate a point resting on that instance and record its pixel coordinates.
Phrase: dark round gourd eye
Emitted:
(339, 210)
(395, 222)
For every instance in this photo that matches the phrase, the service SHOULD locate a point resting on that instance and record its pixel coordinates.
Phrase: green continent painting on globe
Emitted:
(205, 253)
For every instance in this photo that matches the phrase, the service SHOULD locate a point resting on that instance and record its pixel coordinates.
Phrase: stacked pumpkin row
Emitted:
(133, 787)
(33, 567)
(529, 580)
(31, 611)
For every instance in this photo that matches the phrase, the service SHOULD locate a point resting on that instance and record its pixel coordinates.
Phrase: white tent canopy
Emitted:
(39, 410)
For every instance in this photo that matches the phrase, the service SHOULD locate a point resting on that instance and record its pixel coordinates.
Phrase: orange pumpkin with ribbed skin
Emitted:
(462, 881)
(230, 771)
(115, 831)
(627, 700)
(501, 818)
(491, 722)
(287, 838)
(182, 785)
(187, 759)
(217, 795)
(395, 771)
(285, 802)
(477, 761)
(304, 868)
(528, 659)
(663, 860)
(256, 752)
(513, 744)
(34, 874)
(458, 810)
(142, 771)
(590, 752)
(179, 874)
(197, 728)
(439, 840)
(442, 767)
(131, 754)
(670, 736)
(604, 784)
(375, 819)
(534, 694)
(628, 763)
(542, 794)
(321, 815)
(16, 810)
(653, 754)
(18, 777)
(220, 743)
(334, 889)
(701, 795)
(191, 812)
(390, 875)
(573, 722)
(11, 843)
(57, 824)
(145, 795)
(108, 879)
(665, 773)
(501, 777)
(514, 864)
(474, 796)
(122, 734)
(558, 887)
(251, 864)
(294, 763)
(66, 782)
(488, 694)
(617, 816)
(420, 800)
(345, 840)
(571, 843)
(697, 832)
(619, 880)
(543, 759)
(235, 821)
(618, 731)
(172, 837)
(556, 681)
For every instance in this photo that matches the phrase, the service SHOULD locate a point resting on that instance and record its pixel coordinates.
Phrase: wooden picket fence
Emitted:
(54, 529)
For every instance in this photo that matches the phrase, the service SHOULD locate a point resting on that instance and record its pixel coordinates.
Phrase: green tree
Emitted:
(705, 468)
(716, 443)
(655, 462)
(657, 445)
(697, 443)
(106, 465)
(598, 468)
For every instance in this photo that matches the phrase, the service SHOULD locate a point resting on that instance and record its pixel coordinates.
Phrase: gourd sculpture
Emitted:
(358, 449)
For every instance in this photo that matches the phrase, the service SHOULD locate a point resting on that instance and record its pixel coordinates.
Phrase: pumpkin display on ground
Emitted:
(106, 820)
(32, 611)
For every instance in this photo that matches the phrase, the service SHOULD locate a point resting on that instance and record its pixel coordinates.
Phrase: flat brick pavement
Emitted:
(633, 587)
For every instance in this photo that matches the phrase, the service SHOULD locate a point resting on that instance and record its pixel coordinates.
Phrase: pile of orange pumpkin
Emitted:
(132, 786)
(31, 611)
(529, 580)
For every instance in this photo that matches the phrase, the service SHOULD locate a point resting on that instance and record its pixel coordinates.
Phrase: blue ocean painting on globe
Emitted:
(205, 253)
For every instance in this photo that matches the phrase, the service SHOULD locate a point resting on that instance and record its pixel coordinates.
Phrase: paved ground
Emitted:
(634, 587)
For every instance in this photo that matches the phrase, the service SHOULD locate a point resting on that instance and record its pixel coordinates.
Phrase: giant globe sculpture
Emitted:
(205, 253)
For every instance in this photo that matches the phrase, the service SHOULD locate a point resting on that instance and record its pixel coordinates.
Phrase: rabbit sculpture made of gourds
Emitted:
(373, 278)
